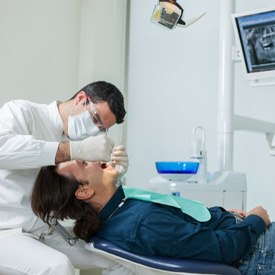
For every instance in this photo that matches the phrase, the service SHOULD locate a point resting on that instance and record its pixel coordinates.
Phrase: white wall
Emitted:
(39, 49)
(51, 48)
(103, 46)
(251, 150)
(173, 86)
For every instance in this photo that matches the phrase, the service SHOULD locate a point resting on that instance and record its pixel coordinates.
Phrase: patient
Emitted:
(87, 192)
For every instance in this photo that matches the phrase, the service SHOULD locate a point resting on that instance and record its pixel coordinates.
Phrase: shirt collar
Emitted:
(112, 204)
(55, 117)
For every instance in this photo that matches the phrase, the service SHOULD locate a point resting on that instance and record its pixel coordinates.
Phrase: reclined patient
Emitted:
(87, 192)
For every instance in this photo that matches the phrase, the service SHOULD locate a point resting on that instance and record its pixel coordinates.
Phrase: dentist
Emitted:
(34, 135)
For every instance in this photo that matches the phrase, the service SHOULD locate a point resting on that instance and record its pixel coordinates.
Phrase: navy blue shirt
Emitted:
(152, 229)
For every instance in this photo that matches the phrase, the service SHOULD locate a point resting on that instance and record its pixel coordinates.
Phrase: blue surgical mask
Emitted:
(81, 126)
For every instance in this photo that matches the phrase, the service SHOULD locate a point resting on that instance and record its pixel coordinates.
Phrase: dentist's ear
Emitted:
(81, 96)
(83, 192)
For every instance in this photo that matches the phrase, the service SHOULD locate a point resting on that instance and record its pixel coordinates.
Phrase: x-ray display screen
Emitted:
(257, 38)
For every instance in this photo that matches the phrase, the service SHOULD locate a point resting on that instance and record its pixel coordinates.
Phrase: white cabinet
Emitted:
(226, 189)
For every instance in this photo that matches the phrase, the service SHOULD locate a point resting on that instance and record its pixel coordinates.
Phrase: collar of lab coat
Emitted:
(56, 118)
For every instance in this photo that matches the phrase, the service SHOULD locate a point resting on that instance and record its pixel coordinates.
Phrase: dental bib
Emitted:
(195, 209)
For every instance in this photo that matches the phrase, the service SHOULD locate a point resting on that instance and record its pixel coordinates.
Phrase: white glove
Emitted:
(120, 158)
(94, 148)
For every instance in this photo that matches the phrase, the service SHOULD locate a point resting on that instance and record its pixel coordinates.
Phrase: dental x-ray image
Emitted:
(261, 45)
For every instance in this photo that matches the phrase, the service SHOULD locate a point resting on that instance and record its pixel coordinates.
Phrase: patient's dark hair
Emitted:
(53, 196)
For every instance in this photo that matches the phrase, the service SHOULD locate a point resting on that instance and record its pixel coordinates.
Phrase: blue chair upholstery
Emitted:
(184, 266)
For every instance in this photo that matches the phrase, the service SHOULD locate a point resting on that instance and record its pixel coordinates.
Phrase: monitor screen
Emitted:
(256, 34)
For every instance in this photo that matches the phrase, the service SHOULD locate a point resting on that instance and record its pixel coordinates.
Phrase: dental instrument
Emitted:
(197, 150)
(71, 240)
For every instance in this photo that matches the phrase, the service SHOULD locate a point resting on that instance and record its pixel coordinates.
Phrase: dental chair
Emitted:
(157, 265)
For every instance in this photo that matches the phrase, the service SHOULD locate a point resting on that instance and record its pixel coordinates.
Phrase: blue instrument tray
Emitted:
(177, 167)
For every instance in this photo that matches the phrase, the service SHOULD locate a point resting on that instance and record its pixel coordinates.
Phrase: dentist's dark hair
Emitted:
(53, 196)
(103, 91)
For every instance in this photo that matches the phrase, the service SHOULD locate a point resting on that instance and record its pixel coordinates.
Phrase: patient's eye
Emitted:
(82, 162)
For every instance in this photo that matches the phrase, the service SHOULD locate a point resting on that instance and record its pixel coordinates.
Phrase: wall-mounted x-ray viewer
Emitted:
(255, 31)
(169, 13)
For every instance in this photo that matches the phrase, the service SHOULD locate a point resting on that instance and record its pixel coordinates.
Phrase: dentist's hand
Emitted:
(94, 148)
(120, 158)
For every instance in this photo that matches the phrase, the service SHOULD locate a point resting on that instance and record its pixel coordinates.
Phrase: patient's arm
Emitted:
(179, 238)
(259, 211)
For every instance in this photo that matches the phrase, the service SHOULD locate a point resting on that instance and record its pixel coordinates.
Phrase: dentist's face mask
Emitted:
(82, 125)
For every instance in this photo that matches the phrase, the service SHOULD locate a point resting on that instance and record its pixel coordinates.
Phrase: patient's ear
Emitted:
(84, 192)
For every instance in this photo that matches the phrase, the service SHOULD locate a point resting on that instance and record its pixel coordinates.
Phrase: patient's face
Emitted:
(87, 172)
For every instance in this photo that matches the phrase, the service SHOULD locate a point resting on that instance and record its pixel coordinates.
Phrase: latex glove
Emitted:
(94, 148)
(120, 158)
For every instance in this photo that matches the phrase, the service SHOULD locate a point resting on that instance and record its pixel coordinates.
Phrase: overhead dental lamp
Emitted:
(168, 14)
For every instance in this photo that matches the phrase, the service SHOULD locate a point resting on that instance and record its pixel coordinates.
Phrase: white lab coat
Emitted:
(29, 138)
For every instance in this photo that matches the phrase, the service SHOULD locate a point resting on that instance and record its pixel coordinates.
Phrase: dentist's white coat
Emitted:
(29, 139)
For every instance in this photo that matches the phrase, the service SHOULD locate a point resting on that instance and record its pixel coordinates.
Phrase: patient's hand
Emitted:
(262, 213)
(242, 214)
